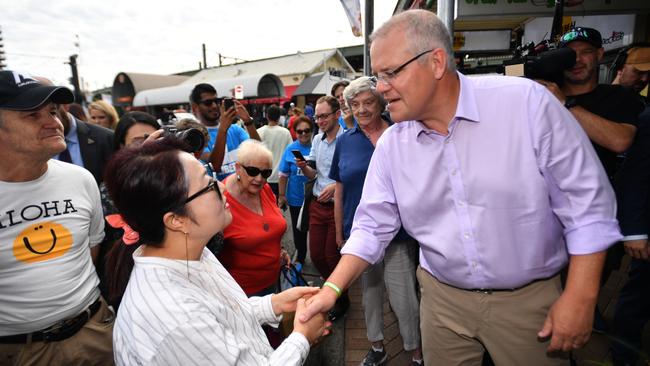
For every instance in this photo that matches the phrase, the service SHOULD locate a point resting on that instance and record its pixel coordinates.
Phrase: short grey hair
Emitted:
(360, 85)
(250, 150)
(423, 31)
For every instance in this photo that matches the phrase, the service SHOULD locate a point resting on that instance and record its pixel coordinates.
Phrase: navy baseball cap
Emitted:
(584, 34)
(21, 92)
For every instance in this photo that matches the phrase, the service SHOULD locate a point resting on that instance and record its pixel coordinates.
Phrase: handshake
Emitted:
(310, 305)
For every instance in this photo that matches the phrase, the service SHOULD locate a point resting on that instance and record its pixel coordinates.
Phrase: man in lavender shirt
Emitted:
(502, 189)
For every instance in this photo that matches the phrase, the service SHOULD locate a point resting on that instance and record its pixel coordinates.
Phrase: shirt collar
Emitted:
(339, 132)
(466, 109)
(72, 135)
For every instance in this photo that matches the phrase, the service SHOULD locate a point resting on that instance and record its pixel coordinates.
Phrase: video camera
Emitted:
(193, 137)
(541, 62)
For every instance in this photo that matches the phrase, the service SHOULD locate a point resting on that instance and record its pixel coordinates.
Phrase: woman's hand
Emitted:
(154, 136)
(285, 301)
(282, 202)
(313, 329)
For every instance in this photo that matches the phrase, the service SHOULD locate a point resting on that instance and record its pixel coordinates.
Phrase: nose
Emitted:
(382, 86)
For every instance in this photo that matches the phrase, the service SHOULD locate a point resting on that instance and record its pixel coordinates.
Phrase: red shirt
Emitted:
(252, 243)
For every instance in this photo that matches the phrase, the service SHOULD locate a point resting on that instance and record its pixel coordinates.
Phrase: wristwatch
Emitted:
(570, 102)
(249, 122)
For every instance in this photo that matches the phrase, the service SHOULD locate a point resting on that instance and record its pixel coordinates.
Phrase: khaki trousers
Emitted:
(458, 325)
(91, 345)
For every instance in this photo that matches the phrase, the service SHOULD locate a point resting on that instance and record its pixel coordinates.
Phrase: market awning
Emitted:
(317, 84)
(254, 86)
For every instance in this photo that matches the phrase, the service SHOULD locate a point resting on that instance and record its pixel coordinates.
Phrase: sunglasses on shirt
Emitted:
(254, 172)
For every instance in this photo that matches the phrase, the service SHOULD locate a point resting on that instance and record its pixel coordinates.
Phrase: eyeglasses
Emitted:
(211, 186)
(388, 76)
(254, 172)
(323, 115)
(209, 102)
(301, 132)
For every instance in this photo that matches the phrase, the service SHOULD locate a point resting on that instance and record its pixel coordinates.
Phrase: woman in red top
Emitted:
(252, 242)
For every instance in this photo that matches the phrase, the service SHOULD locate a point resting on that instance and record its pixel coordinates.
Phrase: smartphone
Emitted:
(228, 103)
(298, 155)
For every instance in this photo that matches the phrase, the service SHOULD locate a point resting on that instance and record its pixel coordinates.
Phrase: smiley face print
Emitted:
(42, 241)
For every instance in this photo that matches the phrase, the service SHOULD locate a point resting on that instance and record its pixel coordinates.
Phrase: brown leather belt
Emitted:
(63, 329)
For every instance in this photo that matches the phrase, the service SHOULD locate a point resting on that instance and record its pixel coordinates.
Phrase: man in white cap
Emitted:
(51, 223)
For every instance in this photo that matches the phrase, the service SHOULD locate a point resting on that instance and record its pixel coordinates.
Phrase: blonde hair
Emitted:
(249, 150)
(108, 110)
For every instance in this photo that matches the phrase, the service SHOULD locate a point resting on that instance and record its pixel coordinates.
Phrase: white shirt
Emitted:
(276, 139)
(47, 227)
(202, 317)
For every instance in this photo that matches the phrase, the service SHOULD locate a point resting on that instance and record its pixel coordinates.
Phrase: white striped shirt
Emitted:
(167, 319)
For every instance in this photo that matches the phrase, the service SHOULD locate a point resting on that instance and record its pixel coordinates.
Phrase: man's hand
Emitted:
(554, 89)
(327, 193)
(569, 323)
(285, 301)
(282, 202)
(638, 249)
(322, 302)
(241, 111)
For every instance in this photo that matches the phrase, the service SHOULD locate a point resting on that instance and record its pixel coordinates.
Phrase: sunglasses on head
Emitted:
(209, 102)
(305, 131)
(254, 172)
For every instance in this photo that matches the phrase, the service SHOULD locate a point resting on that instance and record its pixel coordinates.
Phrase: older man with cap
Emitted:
(500, 187)
(634, 71)
(51, 222)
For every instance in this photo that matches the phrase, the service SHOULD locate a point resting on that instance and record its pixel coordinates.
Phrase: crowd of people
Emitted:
(490, 210)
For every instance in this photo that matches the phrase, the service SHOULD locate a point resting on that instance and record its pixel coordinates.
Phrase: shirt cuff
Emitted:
(283, 174)
(363, 245)
(267, 316)
(635, 237)
(593, 237)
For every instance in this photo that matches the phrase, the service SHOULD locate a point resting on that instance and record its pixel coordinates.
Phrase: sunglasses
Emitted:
(211, 186)
(209, 102)
(254, 172)
(301, 132)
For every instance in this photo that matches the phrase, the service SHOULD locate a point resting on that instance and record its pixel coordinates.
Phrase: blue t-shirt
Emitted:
(296, 180)
(234, 137)
(342, 123)
(349, 167)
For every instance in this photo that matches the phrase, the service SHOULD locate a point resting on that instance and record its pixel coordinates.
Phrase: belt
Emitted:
(62, 330)
(489, 291)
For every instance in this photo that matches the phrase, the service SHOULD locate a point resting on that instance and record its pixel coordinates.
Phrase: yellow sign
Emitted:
(459, 41)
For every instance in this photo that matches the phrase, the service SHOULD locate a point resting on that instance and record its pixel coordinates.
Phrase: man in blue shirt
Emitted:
(225, 136)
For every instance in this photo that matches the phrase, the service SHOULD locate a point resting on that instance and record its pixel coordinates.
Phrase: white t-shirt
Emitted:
(47, 227)
(194, 313)
(276, 139)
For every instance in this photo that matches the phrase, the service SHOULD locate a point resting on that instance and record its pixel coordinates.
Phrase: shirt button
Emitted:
(466, 235)
(453, 172)
(474, 265)
(447, 141)
(461, 204)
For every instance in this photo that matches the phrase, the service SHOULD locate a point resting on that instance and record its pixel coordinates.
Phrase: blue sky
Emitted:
(162, 37)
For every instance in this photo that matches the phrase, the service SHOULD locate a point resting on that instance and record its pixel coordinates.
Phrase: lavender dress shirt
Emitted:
(502, 200)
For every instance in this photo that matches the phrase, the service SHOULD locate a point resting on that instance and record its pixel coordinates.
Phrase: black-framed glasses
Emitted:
(211, 186)
(390, 75)
(323, 115)
(209, 102)
(305, 131)
(254, 172)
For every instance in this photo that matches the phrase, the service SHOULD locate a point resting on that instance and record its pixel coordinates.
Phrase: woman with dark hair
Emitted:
(180, 305)
(292, 183)
(133, 127)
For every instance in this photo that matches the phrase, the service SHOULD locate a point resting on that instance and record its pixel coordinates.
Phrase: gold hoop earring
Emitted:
(187, 258)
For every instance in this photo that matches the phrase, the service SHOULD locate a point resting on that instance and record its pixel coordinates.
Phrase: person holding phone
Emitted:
(292, 182)
(219, 115)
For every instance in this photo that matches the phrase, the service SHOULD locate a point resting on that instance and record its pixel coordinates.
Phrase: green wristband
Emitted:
(333, 287)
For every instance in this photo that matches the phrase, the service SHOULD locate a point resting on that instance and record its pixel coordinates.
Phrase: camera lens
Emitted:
(193, 137)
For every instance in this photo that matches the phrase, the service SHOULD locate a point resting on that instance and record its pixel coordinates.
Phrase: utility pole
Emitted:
(74, 80)
(205, 62)
(3, 65)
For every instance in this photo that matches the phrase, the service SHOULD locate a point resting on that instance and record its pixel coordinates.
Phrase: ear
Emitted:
(195, 107)
(601, 52)
(438, 60)
(175, 222)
